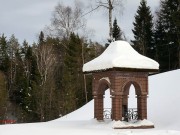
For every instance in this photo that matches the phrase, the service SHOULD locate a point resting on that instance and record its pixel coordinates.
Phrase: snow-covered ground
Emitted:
(163, 111)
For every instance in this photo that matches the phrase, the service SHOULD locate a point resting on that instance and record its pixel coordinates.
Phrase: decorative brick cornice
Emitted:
(123, 69)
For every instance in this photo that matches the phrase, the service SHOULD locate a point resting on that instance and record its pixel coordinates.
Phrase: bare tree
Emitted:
(110, 5)
(13, 47)
(84, 76)
(66, 19)
(46, 61)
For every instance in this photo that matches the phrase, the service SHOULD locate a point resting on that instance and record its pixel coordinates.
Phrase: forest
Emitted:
(44, 80)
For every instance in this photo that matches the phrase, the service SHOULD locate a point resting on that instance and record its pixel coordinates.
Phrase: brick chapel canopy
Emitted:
(122, 57)
(117, 68)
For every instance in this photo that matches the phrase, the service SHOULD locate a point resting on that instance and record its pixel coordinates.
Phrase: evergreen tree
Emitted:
(28, 91)
(143, 31)
(160, 40)
(116, 32)
(72, 75)
(167, 35)
(3, 97)
(41, 38)
(4, 58)
(176, 16)
(24, 48)
(13, 49)
(46, 96)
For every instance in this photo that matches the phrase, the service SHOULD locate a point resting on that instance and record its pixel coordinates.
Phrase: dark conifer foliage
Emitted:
(143, 31)
(73, 73)
(45, 80)
(41, 38)
(4, 59)
(167, 37)
(116, 32)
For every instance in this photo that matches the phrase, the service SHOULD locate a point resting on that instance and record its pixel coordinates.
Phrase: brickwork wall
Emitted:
(119, 83)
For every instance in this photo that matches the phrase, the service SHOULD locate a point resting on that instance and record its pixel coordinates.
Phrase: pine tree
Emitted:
(13, 49)
(175, 17)
(28, 92)
(143, 31)
(3, 96)
(72, 75)
(41, 38)
(160, 40)
(4, 58)
(167, 35)
(116, 32)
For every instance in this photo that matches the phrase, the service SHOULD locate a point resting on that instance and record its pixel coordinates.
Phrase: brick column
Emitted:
(124, 105)
(98, 107)
(125, 99)
(112, 107)
(117, 107)
(142, 107)
(139, 106)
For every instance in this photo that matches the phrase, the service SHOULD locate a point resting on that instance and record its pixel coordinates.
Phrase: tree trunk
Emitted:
(179, 54)
(84, 76)
(110, 20)
(169, 58)
(85, 88)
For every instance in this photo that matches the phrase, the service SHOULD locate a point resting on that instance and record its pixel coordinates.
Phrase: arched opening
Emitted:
(103, 101)
(132, 100)
(107, 108)
(130, 105)
(119, 104)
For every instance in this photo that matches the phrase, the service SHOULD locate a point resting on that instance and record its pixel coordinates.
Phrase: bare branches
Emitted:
(91, 11)
(67, 19)
(110, 5)
(45, 60)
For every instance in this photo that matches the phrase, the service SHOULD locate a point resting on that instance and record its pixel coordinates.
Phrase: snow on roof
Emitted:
(120, 54)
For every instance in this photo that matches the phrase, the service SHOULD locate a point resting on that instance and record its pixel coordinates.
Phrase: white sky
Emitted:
(26, 18)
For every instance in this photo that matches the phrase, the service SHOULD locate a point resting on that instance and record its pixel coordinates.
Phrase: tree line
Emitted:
(44, 80)
(159, 38)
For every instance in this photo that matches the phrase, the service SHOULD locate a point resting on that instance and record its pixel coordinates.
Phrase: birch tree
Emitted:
(110, 6)
(66, 19)
(13, 48)
(45, 63)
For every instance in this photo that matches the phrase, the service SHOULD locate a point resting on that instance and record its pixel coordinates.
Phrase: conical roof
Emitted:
(120, 55)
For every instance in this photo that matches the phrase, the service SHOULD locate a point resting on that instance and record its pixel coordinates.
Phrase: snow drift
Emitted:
(163, 111)
(163, 102)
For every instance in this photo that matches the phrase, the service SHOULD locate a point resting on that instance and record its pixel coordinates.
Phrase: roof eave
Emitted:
(123, 69)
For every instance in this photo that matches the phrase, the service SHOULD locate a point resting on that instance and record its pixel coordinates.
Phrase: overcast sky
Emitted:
(26, 18)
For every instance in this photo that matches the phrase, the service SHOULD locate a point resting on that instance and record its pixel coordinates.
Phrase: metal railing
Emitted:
(107, 113)
(131, 114)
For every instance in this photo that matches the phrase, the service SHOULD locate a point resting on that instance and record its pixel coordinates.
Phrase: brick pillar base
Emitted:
(117, 108)
(142, 107)
(124, 105)
(98, 107)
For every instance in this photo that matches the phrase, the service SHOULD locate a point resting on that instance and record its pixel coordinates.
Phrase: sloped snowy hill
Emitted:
(163, 110)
